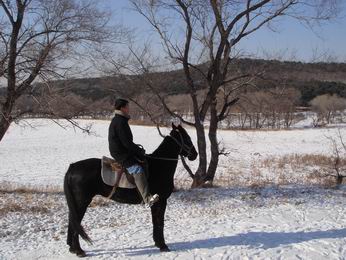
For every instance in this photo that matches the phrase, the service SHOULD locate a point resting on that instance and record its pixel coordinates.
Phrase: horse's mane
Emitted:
(165, 148)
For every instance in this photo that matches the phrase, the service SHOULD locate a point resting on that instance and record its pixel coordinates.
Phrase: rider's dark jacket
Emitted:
(120, 141)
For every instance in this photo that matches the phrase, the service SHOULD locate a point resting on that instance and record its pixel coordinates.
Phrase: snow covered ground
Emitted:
(39, 153)
(272, 222)
(223, 223)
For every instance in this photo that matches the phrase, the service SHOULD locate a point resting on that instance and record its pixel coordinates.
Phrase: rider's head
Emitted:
(122, 104)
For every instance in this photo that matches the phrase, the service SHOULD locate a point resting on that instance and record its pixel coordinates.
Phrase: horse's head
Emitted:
(182, 138)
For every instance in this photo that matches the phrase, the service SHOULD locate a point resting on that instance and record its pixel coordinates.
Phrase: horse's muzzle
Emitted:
(192, 155)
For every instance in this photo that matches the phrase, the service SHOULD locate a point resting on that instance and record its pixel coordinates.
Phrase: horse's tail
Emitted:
(71, 203)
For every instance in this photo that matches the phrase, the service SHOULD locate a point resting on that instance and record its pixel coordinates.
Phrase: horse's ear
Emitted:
(176, 123)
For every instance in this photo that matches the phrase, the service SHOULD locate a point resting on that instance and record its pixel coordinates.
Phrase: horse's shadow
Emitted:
(264, 240)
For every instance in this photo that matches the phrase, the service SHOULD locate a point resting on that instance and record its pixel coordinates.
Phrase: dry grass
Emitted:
(27, 203)
(182, 183)
(304, 169)
(99, 201)
(8, 187)
(311, 160)
(308, 169)
(13, 206)
(297, 160)
(34, 200)
(23, 198)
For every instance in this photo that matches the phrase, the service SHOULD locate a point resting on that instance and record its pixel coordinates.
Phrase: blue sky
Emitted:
(292, 40)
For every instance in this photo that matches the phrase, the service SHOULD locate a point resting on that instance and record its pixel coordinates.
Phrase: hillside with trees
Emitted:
(93, 96)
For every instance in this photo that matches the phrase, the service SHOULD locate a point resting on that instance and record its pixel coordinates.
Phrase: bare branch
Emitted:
(48, 111)
(187, 168)
(226, 106)
(144, 77)
(246, 12)
(150, 116)
(222, 151)
(277, 13)
(185, 58)
(7, 11)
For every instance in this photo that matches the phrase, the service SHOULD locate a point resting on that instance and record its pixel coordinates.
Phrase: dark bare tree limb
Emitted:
(187, 168)
(7, 11)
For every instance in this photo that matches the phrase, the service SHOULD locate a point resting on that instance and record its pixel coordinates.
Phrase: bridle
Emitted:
(182, 145)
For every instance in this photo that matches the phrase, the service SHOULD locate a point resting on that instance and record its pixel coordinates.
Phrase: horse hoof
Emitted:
(81, 253)
(72, 250)
(165, 249)
(78, 252)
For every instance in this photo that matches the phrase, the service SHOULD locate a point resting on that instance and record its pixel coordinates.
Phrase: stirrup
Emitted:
(153, 200)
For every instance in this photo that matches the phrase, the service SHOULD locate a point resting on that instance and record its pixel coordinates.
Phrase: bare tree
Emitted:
(39, 40)
(339, 158)
(327, 106)
(273, 108)
(203, 41)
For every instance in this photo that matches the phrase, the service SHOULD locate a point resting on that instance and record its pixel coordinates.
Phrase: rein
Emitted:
(183, 147)
(162, 158)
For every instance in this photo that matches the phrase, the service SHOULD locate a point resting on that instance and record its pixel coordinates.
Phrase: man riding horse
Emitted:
(83, 179)
(123, 150)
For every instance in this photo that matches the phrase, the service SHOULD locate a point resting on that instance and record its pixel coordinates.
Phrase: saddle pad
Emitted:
(110, 177)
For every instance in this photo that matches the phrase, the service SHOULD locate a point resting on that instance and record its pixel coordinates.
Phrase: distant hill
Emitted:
(311, 79)
(298, 71)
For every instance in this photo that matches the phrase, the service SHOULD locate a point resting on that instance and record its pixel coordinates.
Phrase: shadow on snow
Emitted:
(264, 240)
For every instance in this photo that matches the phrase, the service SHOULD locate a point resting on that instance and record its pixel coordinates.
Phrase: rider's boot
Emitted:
(143, 187)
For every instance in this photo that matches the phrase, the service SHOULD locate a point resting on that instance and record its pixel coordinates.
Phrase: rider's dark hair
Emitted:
(119, 103)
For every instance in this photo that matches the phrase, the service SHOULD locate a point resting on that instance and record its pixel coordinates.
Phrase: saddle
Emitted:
(114, 174)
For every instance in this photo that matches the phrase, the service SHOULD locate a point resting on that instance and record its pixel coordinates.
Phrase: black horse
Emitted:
(83, 181)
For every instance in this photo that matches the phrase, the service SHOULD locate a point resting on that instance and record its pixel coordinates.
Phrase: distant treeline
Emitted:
(310, 90)
(310, 79)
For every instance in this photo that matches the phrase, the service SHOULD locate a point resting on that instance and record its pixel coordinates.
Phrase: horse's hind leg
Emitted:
(158, 217)
(73, 236)
(69, 231)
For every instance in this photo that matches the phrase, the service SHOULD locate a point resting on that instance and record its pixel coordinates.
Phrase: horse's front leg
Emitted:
(158, 218)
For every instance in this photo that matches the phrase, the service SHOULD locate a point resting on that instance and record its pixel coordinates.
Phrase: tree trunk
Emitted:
(339, 179)
(4, 125)
(214, 146)
(200, 174)
(5, 113)
(6, 109)
(5, 118)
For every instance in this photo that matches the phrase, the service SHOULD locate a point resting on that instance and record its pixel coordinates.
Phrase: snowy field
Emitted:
(276, 221)
(38, 152)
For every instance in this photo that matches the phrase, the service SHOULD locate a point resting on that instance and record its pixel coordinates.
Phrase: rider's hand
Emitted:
(141, 155)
